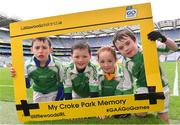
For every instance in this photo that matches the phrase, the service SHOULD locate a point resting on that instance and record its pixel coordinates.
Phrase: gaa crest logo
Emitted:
(130, 12)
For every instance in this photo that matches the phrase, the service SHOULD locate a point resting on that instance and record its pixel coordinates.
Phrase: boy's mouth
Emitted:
(41, 56)
(129, 52)
(80, 64)
(107, 68)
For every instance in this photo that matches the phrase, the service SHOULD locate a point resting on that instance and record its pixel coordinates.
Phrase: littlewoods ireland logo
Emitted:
(130, 12)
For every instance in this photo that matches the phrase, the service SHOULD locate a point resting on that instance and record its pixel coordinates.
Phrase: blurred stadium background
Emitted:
(96, 38)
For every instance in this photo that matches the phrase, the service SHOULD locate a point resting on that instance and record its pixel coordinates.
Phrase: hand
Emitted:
(155, 35)
(141, 115)
(12, 72)
(103, 117)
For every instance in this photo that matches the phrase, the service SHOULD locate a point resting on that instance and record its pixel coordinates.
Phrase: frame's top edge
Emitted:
(101, 16)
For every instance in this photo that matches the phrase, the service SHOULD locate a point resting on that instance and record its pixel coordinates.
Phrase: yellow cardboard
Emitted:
(77, 22)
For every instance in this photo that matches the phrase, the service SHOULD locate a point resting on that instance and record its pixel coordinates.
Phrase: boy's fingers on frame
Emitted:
(12, 72)
(13, 75)
(102, 117)
(12, 69)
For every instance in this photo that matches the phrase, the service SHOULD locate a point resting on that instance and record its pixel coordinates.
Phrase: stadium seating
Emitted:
(62, 45)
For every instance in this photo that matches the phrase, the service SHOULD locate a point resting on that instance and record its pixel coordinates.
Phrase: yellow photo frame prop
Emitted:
(89, 107)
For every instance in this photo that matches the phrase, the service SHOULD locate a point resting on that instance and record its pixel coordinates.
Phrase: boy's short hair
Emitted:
(123, 33)
(42, 39)
(81, 45)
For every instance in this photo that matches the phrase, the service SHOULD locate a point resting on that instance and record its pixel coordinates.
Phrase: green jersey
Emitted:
(44, 79)
(121, 84)
(81, 83)
(135, 66)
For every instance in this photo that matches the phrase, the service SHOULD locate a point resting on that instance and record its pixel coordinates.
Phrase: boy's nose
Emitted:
(40, 50)
(80, 59)
(105, 64)
(125, 48)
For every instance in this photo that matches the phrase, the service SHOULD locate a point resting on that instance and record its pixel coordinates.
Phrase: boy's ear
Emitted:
(97, 60)
(31, 50)
(51, 50)
(71, 55)
(90, 55)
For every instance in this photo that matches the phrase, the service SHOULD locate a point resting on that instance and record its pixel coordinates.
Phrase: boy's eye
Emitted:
(127, 43)
(76, 56)
(110, 61)
(44, 47)
(102, 61)
(37, 47)
(120, 47)
(84, 56)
